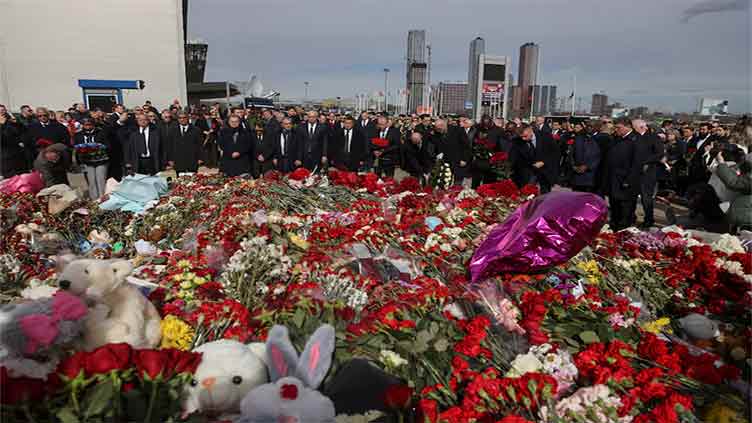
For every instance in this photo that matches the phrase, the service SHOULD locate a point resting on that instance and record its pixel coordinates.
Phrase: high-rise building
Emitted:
(599, 104)
(543, 98)
(528, 66)
(450, 97)
(477, 47)
(417, 69)
(195, 61)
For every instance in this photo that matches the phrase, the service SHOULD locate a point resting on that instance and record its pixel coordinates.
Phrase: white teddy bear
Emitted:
(120, 312)
(228, 371)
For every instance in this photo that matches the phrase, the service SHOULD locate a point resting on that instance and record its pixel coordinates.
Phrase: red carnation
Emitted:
(501, 156)
(289, 392)
(380, 142)
(108, 358)
(514, 419)
(397, 397)
(299, 174)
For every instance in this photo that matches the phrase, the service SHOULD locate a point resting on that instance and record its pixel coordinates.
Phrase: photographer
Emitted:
(739, 180)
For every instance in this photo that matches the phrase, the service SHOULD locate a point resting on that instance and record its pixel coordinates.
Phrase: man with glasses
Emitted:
(44, 132)
(143, 149)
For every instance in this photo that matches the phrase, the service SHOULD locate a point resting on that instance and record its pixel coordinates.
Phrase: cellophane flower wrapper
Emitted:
(27, 182)
(544, 232)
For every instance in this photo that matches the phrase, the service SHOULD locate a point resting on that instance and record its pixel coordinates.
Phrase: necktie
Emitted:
(310, 130)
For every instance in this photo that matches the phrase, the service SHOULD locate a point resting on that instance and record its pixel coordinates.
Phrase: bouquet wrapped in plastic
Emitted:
(91, 153)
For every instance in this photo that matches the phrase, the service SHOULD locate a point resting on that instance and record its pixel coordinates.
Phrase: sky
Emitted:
(664, 54)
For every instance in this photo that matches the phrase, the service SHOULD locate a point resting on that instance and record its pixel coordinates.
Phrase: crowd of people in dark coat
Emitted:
(625, 161)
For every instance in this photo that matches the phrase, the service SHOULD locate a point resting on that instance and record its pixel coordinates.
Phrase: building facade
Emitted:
(450, 98)
(56, 53)
(599, 106)
(528, 66)
(417, 69)
(543, 98)
(477, 47)
(493, 86)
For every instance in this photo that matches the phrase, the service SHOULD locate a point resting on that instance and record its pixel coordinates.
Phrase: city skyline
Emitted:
(650, 57)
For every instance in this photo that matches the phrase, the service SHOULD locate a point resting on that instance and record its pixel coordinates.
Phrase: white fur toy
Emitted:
(228, 371)
(120, 313)
(292, 396)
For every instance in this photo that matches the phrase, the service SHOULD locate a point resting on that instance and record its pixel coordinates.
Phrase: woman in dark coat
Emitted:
(586, 159)
(236, 145)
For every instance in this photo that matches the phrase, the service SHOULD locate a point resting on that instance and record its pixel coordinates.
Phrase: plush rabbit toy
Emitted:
(291, 397)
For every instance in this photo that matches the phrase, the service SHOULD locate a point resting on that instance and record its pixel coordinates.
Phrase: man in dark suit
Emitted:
(118, 127)
(452, 143)
(351, 146)
(271, 125)
(143, 152)
(648, 154)
(313, 141)
(623, 177)
(367, 125)
(603, 140)
(522, 158)
(264, 151)
(44, 132)
(497, 135)
(701, 146)
(388, 157)
(285, 156)
(417, 157)
(183, 146)
(237, 148)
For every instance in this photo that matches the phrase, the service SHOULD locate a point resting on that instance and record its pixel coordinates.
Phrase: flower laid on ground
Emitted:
(176, 334)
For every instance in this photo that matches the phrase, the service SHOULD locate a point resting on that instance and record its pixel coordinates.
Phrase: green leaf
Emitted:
(589, 337)
(98, 399)
(298, 318)
(66, 415)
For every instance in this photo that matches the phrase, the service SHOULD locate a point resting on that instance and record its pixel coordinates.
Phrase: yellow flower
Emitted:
(719, 412)
(186, 284)
(184, 264)
(189, 276)
(178, 277)
(298, 241)
(591, 270)
(657, 326)
(176, 333)
(199, 280)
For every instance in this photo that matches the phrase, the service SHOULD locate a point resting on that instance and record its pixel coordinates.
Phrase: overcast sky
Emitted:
(660, 53)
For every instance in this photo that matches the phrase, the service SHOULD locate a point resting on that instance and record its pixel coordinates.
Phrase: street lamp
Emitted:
(305, 99)
(386, 90)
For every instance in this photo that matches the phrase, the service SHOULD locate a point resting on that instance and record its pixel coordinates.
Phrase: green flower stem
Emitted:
(152, 399)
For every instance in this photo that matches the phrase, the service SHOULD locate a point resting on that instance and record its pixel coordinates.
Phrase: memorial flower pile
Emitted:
(604, 336)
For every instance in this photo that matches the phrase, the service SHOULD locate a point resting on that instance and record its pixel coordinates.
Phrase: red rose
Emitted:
(299, 174)
(184, 361)
(380, 142)
(501, 156)
(72, 366)
(289, 392)
(429, 410)
(151, 363)
(397, 397)
(108, 358)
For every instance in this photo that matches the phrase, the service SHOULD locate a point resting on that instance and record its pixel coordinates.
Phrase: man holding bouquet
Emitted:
(92, 151)
(386, 148)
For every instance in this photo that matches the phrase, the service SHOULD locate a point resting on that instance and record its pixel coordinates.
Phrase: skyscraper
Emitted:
(544, 99)
(477, 47)
(417, 69)
(528, 68)
(598, 106)
(450, 98)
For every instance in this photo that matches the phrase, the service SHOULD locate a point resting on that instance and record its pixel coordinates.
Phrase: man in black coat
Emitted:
(144, 149)
(522, 158)
(237, 148)
(623, 177)
(286, 153)
(698, 165)
(453, 143)
(547, 159)
(44, 132)
(313, 140)
(271, 125)
(417, 157)
(183, 146)
(118, 127)
(648, 154)
(351, 146)
(12, 153)
(497, 135)
(388, 157)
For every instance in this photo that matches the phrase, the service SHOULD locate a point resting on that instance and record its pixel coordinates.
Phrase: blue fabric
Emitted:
(135, 193)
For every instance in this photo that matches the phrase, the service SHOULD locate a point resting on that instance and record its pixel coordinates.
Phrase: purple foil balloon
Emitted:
(544, 232)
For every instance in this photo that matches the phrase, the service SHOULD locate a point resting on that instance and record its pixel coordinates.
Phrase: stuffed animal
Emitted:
(228, 371)
(38, 329)
(292, 396)
(120, 313)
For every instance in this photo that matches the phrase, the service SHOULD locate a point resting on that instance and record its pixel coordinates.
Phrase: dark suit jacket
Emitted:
(184, 150)
(522, 157)
(648, 153)
(135, 146)
(312, 146)
(370, 130)
(358, 149)
(390, 156)
(52, 131)
(286, 161)
(454, 145)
